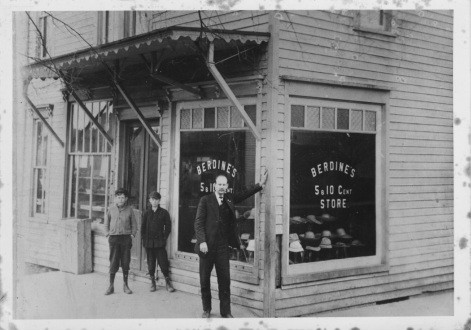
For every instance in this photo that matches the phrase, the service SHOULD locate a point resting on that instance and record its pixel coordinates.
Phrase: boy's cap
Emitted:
(155, 195)
(121, 191)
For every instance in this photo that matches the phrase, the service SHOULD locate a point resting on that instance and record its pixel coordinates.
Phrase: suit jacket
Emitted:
(207, 215)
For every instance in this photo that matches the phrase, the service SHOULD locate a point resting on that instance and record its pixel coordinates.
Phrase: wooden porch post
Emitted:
(269, 264)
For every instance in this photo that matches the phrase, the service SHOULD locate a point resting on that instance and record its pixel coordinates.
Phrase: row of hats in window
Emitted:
(318, 220)
(324, 240)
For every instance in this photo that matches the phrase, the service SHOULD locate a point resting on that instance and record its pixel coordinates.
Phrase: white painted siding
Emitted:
(417, 65)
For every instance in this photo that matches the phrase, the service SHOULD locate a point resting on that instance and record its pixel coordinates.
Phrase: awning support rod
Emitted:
(140, 116)
(90, 115)
(36, 110)
(227, 90)
(153, 68)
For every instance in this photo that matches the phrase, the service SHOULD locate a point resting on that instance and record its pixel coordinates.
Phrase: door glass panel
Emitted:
(135, 143)
(153, 166)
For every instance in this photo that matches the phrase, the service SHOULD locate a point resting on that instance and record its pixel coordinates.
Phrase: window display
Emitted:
(333, 183)
(220, 144)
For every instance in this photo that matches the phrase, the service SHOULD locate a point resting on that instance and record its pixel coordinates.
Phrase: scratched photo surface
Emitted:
(318, 152)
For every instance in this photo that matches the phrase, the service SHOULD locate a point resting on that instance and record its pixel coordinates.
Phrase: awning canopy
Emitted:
(168, 42)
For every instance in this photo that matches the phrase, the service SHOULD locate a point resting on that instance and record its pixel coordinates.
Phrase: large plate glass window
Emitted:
(89, 161)
(333, 220)
(213, 140)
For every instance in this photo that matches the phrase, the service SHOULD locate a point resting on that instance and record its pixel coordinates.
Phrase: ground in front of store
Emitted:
(48, 294)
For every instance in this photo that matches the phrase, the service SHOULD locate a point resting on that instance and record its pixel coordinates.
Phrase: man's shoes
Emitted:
(153, 286)
(228, 316)
(168, 285)
(126, 289)
(206, 314)
(110, 290)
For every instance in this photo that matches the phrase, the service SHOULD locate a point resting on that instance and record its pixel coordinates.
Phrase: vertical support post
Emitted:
(269, 264)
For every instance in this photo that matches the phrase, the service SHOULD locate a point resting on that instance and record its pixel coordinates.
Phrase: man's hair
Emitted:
(121, 191)
(219, 175)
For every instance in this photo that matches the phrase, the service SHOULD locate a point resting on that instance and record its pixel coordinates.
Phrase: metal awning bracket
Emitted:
(41, 117)
(227, 90)
(90, 115)
(138, 112)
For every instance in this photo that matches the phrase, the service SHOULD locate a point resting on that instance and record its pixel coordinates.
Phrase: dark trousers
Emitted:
(220, 259)
(120, 252)
(160, 255)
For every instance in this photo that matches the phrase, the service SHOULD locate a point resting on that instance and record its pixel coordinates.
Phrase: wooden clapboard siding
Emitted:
(228, 20)
(38, 236)
(323, 45)
(65, 40)
(309, 308)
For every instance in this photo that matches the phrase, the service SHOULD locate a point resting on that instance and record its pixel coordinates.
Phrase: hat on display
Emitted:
(327, 217)
(342, 234)
(293, 237)
(245, 236)
(357, 243)
(295, 246)
(250, 214)
(313, 219)
(309, 234)
(325, 243)
(326, 233)
(251, 246)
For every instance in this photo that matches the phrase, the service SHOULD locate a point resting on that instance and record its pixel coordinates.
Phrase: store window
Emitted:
(334, 183)
(43, 38)
(379, 20)
(89, 161)
(103, 27)
(215, 140)
(40, 168)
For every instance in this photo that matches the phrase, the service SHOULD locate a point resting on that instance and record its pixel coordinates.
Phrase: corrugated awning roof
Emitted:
(179, 40)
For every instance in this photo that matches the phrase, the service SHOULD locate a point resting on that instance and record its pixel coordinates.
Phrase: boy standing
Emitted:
(121, 227)
(155, 228)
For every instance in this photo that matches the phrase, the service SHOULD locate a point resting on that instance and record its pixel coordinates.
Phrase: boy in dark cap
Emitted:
(155, 228)
(121, 227)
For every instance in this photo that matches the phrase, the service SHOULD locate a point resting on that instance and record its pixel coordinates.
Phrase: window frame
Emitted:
(240, 271)
(385, 29)
(34, 167)
(103, 27)
(324, 270)
(43, 44)
(70, 155)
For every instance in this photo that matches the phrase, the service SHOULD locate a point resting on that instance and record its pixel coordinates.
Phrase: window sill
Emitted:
(313, 277)
(374, 31)
(189, 261)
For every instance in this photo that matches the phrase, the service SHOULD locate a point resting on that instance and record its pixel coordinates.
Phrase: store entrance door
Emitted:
(141, 163)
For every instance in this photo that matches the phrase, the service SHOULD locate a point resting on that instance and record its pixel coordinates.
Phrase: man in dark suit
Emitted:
(215, 229)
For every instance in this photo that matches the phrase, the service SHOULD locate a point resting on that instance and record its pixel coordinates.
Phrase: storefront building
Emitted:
(349, 111)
